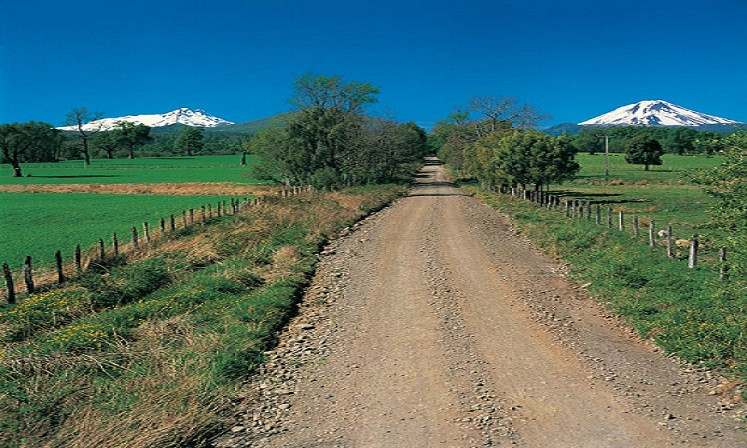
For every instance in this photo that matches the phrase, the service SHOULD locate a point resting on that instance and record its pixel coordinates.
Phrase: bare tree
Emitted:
(503, 113)
(80, 118)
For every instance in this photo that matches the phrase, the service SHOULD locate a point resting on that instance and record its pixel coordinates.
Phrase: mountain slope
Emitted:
(184, 116)
(655, 113)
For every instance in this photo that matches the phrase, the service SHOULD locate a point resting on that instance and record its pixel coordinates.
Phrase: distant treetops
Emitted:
(492, 139)
(329, 141)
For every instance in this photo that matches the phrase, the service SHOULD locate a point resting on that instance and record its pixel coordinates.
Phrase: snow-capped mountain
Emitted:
(185, 116)
(655, 113)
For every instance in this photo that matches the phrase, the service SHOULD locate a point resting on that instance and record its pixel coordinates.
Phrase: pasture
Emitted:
(38, 224)
(665, 194)
(133, 171)
(37, 219)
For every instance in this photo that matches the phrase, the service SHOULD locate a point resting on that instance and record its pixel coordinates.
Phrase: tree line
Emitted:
(673, 140)
(329, 141)
(35, 142)
(493, 140)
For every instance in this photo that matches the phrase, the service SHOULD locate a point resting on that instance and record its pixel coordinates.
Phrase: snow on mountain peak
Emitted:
(184, 115)
(654, 113)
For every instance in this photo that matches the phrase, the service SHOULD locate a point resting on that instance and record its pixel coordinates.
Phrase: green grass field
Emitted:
(665, 194)
(135, 171)
(38, 224)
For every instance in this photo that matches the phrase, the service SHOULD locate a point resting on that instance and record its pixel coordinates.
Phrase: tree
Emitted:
(322, 142)
(190, 140)
(521, 158)
(501, 113)
(83, 120)
(588, 141)
(28, 142)
(727, 183)
(390, 152)
(331, 92)
(131, 135)
(278, 162)
(680, 140)
(643, 150)
(107, 142)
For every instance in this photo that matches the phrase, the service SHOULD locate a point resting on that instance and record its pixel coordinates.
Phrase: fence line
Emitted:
(578, 209)
(137, 243)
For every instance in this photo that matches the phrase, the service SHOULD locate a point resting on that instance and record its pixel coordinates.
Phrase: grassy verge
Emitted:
(690, 313)
(150, 353)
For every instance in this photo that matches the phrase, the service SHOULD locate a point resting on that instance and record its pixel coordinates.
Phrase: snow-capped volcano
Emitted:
(655, 113)
(185, 116)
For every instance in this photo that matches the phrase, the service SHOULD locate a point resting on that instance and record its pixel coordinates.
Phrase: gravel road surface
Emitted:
(435, 323)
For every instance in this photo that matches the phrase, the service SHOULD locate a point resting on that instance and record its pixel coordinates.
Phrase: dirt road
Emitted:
(433, 323)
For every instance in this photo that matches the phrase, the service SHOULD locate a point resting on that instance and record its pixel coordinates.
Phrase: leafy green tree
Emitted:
(643, 150)
(708, 143)
(588, 140)
(451, 137)
(81, 119)
(278, 161)
(131, 135)
(552, 160)
(332, 92)
(28, 142)
(107, 142)
(522, 158)
(679, 140)
(324, 139)
(389, 152)
(190, 140)
(728, 185)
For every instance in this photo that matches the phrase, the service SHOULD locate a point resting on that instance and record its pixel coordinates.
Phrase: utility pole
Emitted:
(606, 155)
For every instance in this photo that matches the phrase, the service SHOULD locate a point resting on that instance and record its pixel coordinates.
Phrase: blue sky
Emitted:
(238, 59)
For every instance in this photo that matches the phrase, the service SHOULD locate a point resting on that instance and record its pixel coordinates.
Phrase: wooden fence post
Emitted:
(28, 275)
(134, 238)
(692, 260)
(670, 242)
(9, 283)
(609, 217)
(191, 216)
(202, 213)
(58, 260)
(115, 244)
(723, 271)
(78, 263)
(651, 234)
(172, 222)
(620, 225)
(184, 219)
(162, 226)
(635, 225)
(102, 252)
(599, 214)
(146, 232)
(567, 209)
